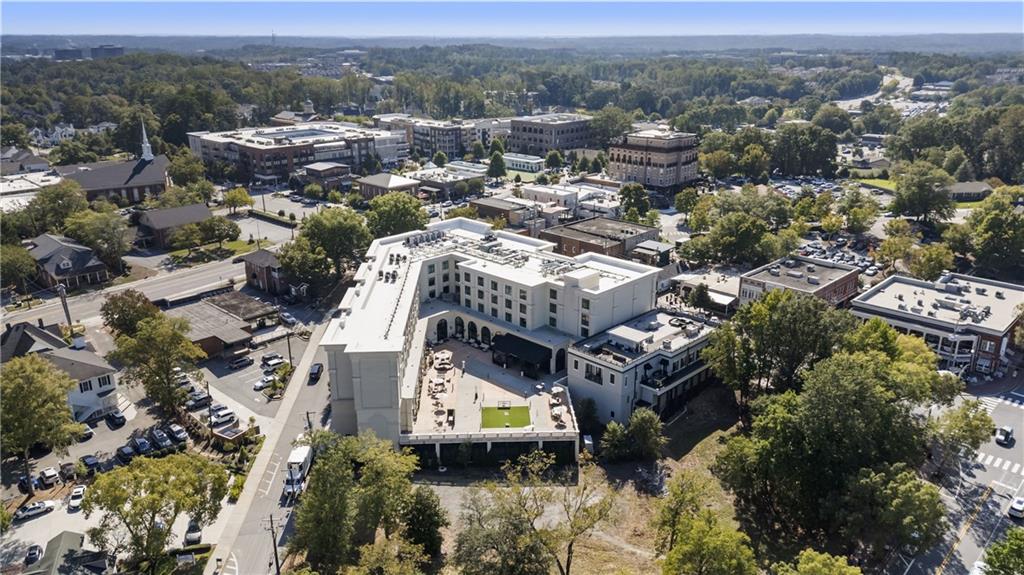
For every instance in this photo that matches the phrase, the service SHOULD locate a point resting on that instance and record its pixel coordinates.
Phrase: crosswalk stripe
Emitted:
(1016, 468)
(1006, 466)
(997, 462)
(988, 460)
(980, 457)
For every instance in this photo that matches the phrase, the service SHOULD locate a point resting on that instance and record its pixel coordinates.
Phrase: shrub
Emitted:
(291, 216)
(235, 491)
(280, 213)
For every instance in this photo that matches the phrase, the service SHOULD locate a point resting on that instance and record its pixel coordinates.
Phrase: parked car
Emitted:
(268, 357)
(194, 533)
(125, 454)
(141, 445)
(218, 407)
(240, 362)
(288, 319)
(35, 552)
(116, 418)
(49, 476)
(87, 434)
(1016, 508)
(264, 382)
(1004, 435)
(34, 510)
(23, 484)
(75, 500)
(91, 463)
(160, 438)
(273, 364)
(315, 371)
(222, 417)
(177, 432)
(197, 399)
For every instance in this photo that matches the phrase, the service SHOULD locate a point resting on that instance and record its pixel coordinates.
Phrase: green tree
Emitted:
(634, 196)
(424, 519)
(608, 124)
(686, 493)
(202, 189)
(834, 118)
(928, 262)
(35, 408)
(997, 230)
(719, 164)
(615, 442)
(6, 519)
(554, 160)
(700, 297)
(174, 197)
(13, 134)
(463, 212)
(73, 151)
(440, 159)
(124, 311)
(831, 224)
(958, 238)
(922, 192)
(1006, 557)
(187, 237)
(652, 218)
(961, 430)
(16, 266)
(705, 547)
(315, 191)
(307, 264)
(219, 229)
(106, 233)
(335, 197)
(582, 165)
(810, 562)
(497, 145)
(754, 161)
(237, 198)
(394, 556)
(186, 169)
(645, 434)
(737, 237)
(478, 150)
(496, 167)
(700, 216)
(395, 213)
(686, 201)
(150, 355)
(341, 233)
(139, 503)
(51, 207)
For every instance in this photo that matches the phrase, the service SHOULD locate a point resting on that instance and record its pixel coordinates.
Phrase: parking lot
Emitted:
(237, 384)
(854, 253)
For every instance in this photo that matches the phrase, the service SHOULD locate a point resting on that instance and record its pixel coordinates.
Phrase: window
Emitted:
(553, 308)
(444, 278)
(585, 303)
(494, 299)
(988, 346)
(430, 281)
(508, 290)
(444, 265)
(508, 317)
(508, 304)
(553, 322)
(105, 380)
(584, 332)
(522, 322)
(575, 364)
(494, 312)
(84, 386)
(522, 294)
(465, 276)
(522, 308)
(469, 303)
(494, 285)
(433, 294)
(584, 319)
(593, 373)
(480, 281)
(479, 294)
(611, 378)
(430, 268)
(553, 294)
(480, 307)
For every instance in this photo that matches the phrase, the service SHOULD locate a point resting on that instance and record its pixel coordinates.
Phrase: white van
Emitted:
(298, 468)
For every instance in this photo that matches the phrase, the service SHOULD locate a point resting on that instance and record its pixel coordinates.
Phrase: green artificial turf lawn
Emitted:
(518, 416)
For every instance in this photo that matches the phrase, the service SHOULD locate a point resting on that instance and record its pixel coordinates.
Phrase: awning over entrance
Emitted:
(523, 349)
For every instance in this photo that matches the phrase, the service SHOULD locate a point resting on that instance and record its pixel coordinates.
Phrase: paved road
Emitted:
(87, 305)
(977, 501)
(243, 546)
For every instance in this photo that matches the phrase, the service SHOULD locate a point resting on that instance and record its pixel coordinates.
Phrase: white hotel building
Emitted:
(523, 307)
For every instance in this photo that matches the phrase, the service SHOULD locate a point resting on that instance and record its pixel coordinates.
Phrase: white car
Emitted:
(222, 417)
(288, 319)
(77, 495)
(34, 510)
(1016, 508)
(49, 476)
(264, 382)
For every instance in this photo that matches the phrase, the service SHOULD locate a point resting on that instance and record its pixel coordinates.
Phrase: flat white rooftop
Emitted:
(561, 118)
(376, 310)
(661, 134)
(303, 133)
(642, 336)
(953, 300)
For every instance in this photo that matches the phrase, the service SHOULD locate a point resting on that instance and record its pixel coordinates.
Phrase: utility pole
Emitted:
(63, 293)
(288, 338)
(309, 421)
(273, 543)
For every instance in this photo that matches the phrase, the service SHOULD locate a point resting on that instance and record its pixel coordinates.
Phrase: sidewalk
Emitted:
(272, 431)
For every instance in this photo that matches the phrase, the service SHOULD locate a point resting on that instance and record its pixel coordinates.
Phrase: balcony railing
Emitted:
(659, 379)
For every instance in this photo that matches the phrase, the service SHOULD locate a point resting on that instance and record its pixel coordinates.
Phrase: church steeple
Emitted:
(147, 150)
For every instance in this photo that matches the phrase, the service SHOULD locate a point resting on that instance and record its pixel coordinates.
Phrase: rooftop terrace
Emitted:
(657, 330)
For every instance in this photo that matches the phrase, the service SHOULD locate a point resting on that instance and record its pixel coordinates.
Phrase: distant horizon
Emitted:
(548, 37)
(569, 20)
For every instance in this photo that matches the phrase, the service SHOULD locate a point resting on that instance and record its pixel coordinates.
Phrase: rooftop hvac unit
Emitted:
(653, 325)
(795, 274)
(692, 330)
(789, 263)
(813, 280)
(981, 290)
(1000, 295)
(810, 268)
(917, 310)
(931, 313)
(902, 306)
(667, 344)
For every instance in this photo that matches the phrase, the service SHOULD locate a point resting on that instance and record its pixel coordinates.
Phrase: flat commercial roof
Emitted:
(207, 320)
(609, 228)
(794, 273)
(953, 300)
(644, 335)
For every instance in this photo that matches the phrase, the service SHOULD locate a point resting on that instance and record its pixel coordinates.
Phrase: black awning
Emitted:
(524, 349)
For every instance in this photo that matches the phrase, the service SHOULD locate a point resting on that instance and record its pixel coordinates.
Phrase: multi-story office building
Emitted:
(538, 135)
(651, 361)
(429, 137)
(969, 321)
(833, 282)
(519, 305)
(660, 159)
(523, 162)
(277, 151)
(106, 51)
(583, 200)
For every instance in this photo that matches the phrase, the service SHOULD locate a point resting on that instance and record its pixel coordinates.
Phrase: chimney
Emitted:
(40, 321)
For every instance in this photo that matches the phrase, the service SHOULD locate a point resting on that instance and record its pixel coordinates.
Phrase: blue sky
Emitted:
(500, 19)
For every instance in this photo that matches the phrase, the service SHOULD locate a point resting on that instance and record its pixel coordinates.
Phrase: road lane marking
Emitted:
(963, 530)
(980, 457)
(1016, 393)
(988, 460)
(1006, 466)
(1016, 468)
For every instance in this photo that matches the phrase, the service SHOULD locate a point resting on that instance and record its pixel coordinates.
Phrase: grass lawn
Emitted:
(211, 252)
(517, 416)
(137, 273)
(527, 177)
(880, 183)
(968, 205)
